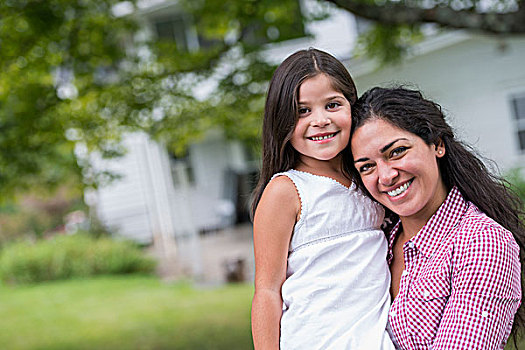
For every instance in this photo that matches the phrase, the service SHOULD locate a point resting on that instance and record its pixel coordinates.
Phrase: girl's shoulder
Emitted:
(292, 182)
(281, 184)
(288, 181)
(280, 197)
(281, 189)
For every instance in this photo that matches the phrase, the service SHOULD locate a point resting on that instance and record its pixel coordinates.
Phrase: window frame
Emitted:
(518, 117)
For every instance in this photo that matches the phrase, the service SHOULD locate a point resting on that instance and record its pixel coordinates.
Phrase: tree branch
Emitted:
(398, 13)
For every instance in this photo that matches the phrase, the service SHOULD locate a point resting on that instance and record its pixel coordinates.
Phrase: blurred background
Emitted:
(130, 144)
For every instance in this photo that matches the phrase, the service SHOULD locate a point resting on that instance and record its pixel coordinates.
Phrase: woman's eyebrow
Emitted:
(382, 150)
(364, 159)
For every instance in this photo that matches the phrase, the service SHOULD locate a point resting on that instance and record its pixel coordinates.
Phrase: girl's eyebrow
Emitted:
(331, 97)
(382, 150)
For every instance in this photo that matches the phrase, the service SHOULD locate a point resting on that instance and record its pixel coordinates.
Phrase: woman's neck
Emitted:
(412, 224)
(410, 227)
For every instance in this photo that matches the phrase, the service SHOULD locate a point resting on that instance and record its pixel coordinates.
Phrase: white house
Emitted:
(479, 81)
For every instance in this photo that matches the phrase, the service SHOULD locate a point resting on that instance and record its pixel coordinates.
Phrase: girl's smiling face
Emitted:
(399, 169)
(323, 127)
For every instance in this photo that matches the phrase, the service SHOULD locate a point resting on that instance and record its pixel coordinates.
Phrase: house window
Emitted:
(362, 25)
(181, 170)
(179, 29)
(271, 29)
(518, 103)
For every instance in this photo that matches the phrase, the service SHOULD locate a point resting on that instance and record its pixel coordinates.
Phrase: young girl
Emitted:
(321, 279)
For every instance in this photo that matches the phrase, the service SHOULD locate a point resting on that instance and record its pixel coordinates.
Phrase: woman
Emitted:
(454, 252)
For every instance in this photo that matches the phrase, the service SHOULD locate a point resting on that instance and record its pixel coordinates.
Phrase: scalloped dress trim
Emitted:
(351, 187)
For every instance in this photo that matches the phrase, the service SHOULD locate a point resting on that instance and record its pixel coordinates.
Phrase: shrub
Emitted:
(516, 178)
(74, 256)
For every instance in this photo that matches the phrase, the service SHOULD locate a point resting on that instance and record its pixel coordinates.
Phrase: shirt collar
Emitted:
(428, 239)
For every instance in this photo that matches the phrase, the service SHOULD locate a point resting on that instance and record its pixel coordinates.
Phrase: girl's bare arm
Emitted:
(273, 225)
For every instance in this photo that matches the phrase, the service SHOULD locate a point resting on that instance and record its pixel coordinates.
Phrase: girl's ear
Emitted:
(440, 148)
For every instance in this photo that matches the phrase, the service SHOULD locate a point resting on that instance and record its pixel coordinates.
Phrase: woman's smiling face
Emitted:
(399, 169)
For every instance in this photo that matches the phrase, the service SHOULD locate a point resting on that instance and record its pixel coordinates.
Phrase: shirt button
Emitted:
(485, 314)
(426, 293)
(410, 244)
(404, 273)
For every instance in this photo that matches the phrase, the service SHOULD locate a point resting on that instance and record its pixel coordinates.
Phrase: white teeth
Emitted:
(315, 138)
(399, 190)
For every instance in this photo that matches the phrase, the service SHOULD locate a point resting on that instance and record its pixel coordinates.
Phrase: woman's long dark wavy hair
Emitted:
(460, 166)
(280, 111)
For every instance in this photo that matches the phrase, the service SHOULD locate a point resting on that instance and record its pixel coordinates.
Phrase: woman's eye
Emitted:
(364, 168)
(397, 151)
(333, 105)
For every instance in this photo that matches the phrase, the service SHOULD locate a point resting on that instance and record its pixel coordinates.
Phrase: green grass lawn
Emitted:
(124, 313)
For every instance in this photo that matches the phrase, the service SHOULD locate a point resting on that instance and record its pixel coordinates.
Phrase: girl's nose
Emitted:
(320, 120)
(387, 174)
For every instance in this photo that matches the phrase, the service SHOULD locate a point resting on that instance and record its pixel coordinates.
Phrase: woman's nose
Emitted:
(387, 174)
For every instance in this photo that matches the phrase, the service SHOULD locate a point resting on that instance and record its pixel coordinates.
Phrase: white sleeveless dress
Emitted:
(336, 292)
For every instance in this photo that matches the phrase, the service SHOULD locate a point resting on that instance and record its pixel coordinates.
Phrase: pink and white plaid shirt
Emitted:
(461, 285)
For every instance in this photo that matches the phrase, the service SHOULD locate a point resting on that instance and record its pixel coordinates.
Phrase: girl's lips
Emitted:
(323, 138)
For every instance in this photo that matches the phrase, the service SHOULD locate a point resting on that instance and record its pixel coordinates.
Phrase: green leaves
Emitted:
(389, 44)
(52, 52)
(73, 74)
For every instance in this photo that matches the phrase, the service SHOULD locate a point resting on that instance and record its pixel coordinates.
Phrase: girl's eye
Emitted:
(398, 151)
(333, 105)
(303, 110)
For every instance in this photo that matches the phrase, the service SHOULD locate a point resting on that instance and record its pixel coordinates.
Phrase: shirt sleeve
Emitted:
(486, 292)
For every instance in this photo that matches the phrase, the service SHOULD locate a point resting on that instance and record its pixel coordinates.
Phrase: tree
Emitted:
(76, 74)
(54, 55)
(495, 17)
(397, 24)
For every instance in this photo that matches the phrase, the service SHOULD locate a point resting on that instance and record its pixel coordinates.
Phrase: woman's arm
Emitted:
(486, 293)
(273, 225)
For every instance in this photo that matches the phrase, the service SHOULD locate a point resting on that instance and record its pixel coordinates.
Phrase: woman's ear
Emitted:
(440, 148)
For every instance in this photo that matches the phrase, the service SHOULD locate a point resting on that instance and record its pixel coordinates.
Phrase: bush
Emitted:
(74, 256)
(516, 178)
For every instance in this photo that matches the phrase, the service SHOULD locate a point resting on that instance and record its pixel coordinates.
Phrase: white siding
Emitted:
(137, 205)
(210, 160)
(144, 204)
